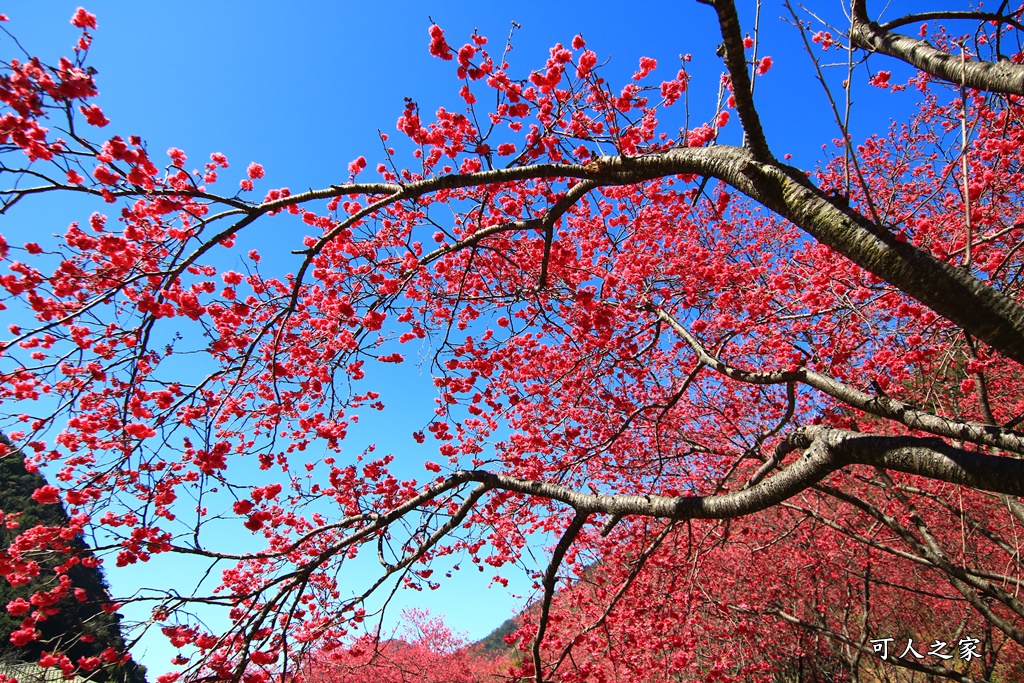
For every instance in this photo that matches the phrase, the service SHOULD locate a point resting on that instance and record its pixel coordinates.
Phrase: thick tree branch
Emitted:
(826, 450)
(736, 63)
(1001, 77)
(931, 458)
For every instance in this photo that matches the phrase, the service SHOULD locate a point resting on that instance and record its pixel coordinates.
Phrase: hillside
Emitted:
(80, 628)
(494, 642)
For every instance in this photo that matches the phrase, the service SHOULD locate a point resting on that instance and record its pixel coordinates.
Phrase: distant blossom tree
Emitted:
(425, 651)
(750, 402)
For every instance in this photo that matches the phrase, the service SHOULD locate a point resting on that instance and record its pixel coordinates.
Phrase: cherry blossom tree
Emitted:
(745, 399)
(424, 650)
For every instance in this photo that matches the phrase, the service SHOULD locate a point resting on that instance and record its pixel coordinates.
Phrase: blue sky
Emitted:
(304, 87)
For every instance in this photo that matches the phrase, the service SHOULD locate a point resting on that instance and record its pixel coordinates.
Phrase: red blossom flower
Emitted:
(438, 46)
(261, 657)
(94, 115)
(178, 157)
(354, 167)
(46, 495)
(88, 663)
(881, 79)
(18, 607)
(140, 430)
(824, 38)
(588, 60)
(647, 65)
(83, 19)
(23, 636)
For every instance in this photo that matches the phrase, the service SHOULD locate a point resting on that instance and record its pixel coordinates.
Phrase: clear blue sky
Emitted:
(303, 88)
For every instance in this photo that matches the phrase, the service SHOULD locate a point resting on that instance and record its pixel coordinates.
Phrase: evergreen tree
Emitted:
(78, 627)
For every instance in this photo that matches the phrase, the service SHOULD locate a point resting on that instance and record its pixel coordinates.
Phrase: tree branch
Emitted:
(826, 450)
(550, 580)
(881, 406)
(951, 14)
(551, 217)
(986, 313)
(736, 63)
(1001, 77)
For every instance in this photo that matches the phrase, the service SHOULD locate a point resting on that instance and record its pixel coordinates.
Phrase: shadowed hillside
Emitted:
(78, 627)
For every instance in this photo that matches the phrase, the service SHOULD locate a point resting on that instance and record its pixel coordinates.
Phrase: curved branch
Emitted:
(931, 458)
(984, 312)
(552, 216)
(826, 450)
(1001, 77)
(550, 580)
(951, 14)
(882, 406)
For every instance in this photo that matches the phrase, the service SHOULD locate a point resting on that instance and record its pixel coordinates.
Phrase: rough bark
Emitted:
(999, 77)
(825, 450)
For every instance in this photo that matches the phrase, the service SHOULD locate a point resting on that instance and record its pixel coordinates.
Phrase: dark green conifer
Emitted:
(62, 631)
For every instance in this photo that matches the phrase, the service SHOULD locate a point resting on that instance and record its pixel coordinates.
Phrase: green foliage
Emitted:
(73, 619)
(494, 643)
